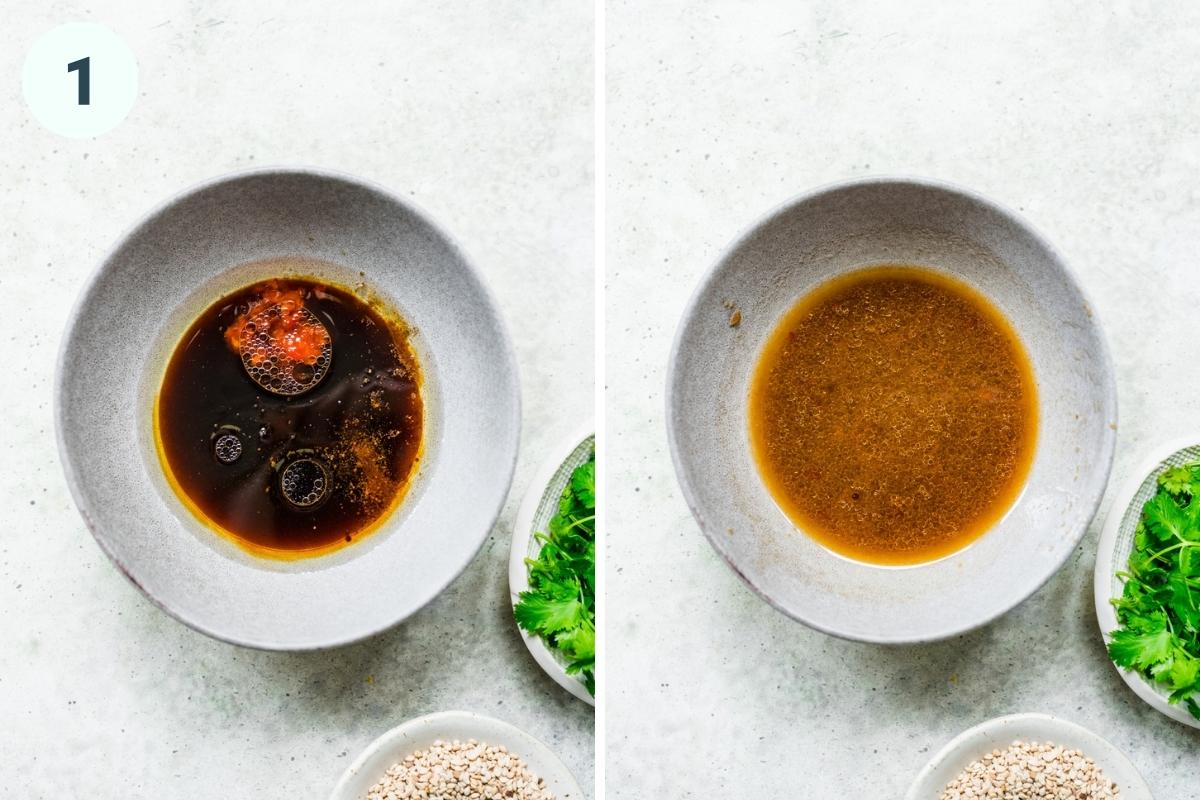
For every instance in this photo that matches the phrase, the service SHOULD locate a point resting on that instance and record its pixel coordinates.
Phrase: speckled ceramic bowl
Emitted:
(760, 277)
(448, 726)
(1041, 728)
(185, 255)
(1116, 544)
(538, 507)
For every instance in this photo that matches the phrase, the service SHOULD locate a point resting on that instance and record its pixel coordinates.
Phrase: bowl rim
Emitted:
(786, 207)
(518, 573)
(527, 745)
(1106, 569)
(1099, 749)
(85, 296)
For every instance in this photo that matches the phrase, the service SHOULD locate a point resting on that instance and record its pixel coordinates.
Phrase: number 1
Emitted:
(83, 67)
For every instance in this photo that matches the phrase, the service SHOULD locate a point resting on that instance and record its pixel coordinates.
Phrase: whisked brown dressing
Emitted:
(893, 415)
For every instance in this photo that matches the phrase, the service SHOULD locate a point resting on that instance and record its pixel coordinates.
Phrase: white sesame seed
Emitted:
(460, 771)
(1032, 771)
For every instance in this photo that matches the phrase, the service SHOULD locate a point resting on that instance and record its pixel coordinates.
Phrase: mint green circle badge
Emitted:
(80, 79)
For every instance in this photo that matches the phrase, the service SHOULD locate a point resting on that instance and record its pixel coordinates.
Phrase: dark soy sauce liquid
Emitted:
(359, 429)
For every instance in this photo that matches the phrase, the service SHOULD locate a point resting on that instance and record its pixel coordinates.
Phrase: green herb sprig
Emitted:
(560, 605)
(1159, 609)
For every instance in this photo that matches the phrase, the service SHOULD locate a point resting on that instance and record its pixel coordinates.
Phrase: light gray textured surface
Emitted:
(482, 114)
(1081, 118)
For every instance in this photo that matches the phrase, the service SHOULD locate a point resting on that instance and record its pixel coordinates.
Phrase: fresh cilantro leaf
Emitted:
(583, 484)
(1185, 670)
(539, 613)
(579, 644)
(1183, 601)
(1179, 480)
(1189, 562)
(1192, 706)
(1140, 650)
(1164, 518)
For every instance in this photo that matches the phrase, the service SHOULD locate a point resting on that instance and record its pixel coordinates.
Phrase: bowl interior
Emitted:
(762, 276)
(1041, 728)
(422, 732)
(1116, 545)
(169, 336)
(185, 256)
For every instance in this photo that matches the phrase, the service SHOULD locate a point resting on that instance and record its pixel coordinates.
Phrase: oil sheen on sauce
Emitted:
(290, 417)
(893, 415)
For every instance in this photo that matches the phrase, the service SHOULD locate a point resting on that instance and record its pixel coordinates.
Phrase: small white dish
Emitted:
(1116, 543)
(537, 507)
(1003, 731)
(447, 726)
